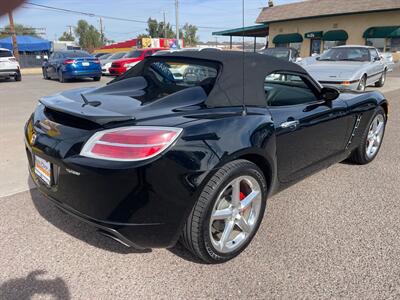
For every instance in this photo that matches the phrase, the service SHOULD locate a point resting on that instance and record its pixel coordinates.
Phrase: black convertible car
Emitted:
(188, 146)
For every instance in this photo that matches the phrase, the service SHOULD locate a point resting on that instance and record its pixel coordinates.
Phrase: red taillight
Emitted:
(130, 143)
(96, 61)
(69, 61)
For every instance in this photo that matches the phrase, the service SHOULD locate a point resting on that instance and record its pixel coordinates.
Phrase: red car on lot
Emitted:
(120, 66)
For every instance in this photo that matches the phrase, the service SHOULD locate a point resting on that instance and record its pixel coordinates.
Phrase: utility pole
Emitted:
(70, 29)
(101, 30)
(14, 35)
(177, 22)
(165, 26)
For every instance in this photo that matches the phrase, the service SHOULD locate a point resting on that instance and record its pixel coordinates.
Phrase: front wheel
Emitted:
(362, 84)
(371, 140)
(227, 214)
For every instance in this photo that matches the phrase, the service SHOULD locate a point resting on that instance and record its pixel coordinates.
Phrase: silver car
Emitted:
(349, 68)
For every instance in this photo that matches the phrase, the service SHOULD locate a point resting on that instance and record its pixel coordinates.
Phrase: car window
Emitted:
(282, 89)
(117, 55)
(148, 53)
(346, 54)
(75, 54)
(5, 53)
(134, 54)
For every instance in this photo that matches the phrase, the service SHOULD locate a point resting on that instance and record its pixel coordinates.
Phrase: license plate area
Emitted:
(43, 170)
(85, 64)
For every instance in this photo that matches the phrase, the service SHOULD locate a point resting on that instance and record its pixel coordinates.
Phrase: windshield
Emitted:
(346, 54)
(134, 54)
(117, 55)
(104, 56)
(76, 54)
(5, 53)
(279, 53)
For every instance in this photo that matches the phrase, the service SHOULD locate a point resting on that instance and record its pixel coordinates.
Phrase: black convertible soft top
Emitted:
(228, 89)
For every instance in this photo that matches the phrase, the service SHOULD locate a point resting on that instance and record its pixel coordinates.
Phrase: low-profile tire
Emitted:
(382, 80)
(362, 84)
(45, 75)
(97, 78)
(221, 225)
(61, 77)
(371, 139)
(18, 76)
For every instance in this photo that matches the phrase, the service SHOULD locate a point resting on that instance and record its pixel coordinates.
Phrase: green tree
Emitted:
(190, 34)
(89, 37)
(157, 29)
(66, 36)
(19, 29)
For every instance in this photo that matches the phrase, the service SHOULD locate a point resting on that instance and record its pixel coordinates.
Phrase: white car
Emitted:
(9, 66)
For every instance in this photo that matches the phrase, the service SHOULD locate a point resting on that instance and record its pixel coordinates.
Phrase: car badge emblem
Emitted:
(33, 139)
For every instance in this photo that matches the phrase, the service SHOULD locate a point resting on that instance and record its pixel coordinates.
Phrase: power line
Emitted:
(64, 10)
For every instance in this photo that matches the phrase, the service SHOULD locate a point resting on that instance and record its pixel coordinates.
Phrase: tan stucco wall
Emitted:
(354, 25)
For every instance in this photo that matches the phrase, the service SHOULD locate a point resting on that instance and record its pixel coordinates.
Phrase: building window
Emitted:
(296, 46)
(378, 43)
(329, 44)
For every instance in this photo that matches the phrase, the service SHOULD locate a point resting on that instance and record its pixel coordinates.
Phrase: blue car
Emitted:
(71, 64)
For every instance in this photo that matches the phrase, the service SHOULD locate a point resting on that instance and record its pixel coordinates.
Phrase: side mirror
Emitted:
(329, 93)
(376, 58)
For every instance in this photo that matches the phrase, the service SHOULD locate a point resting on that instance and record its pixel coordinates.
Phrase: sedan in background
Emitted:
(9, 66)
(349, 68)
(71, 64)
(132, 58)
(106, 63)
(287, 54)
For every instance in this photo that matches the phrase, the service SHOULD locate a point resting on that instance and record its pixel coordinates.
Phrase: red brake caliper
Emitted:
(242, 196)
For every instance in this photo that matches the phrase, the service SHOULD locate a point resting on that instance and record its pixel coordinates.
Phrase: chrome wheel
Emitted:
(375, 134)
(235, 214)
(362, 84)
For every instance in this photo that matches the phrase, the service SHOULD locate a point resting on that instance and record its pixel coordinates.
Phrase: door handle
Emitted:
(290, 124)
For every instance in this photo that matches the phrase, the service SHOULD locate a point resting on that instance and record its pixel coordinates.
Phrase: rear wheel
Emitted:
(227, 214)
(61, 77)
(18, 76)
(362, 84)
(382, 80)
(97, 78)
(371, 140)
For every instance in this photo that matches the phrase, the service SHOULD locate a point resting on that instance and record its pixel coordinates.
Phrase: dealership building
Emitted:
(316, 25)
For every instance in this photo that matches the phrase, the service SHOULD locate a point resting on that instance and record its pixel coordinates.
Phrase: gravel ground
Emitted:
(333, 235)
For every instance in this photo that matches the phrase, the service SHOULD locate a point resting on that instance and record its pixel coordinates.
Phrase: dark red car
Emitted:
(120, 66)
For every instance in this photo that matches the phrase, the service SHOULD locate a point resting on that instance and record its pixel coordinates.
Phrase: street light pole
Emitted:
(177, 22)
(14, 36)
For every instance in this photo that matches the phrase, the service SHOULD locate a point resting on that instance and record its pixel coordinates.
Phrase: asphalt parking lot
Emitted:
(333, 235)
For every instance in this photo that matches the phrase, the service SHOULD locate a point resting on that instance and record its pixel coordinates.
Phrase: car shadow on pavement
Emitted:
(77, 228)
(32, 285)
(182, 252)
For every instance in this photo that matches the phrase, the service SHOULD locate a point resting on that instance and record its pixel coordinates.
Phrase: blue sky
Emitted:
(222, 14)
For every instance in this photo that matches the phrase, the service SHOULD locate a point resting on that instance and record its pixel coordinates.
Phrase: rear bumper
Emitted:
(85, 73)
(8, 72)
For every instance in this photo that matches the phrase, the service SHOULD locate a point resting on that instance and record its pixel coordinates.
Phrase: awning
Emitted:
(249, 31)
(313, 34)
(382, 32)
(335, 35)
(26, 43)
(288, 38)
